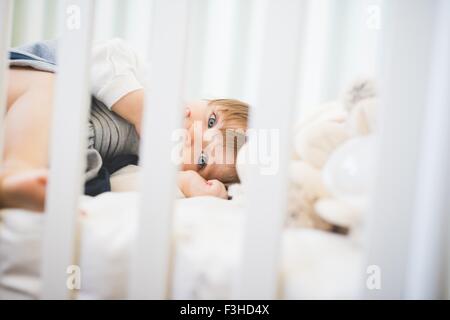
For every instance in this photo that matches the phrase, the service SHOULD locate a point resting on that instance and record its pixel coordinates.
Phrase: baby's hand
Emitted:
(217, 189)
(194, 185)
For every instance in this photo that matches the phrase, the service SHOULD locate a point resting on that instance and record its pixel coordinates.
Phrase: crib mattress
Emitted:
(207, 233)
(314, 264)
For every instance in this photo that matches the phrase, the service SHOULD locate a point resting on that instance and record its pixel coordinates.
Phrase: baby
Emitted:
(213, 128)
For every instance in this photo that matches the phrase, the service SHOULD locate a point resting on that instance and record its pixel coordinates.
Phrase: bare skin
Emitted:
(192, 184)
(23, 174)
(24, 170)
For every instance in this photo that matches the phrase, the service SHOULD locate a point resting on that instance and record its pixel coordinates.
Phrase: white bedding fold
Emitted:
(207, 233)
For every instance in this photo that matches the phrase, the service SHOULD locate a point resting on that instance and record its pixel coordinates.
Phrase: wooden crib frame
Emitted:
(407, 199)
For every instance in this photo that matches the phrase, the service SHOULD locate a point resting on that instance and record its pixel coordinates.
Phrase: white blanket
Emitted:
(207, 234)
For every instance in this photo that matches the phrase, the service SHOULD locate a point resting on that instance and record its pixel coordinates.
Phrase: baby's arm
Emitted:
(130, 108)
(193, 185)
(117, 78)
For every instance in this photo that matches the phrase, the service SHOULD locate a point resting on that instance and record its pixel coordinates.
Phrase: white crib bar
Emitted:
(266, 202)
(403, 80)
(428, 261)
(6, 7)
(314, 79)
(150, 266)
(68, 144)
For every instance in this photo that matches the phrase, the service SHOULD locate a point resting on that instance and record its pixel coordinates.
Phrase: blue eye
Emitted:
(211, 120)
(202, 160)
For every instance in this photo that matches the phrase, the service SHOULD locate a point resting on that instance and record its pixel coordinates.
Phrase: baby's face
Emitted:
(203, 141)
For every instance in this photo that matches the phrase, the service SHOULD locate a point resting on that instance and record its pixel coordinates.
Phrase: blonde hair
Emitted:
(234, 123)
(234, 113)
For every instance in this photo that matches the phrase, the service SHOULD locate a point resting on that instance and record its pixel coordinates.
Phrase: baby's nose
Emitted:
(187, 112)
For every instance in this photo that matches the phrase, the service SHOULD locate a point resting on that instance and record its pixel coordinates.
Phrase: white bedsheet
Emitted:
(207, 233)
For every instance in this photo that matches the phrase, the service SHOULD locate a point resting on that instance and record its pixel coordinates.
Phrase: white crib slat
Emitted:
(5, 34)
(314, 80)
(33, 23)
(151, 258)
(105, 24)
(266, 202)
(404, 81)
(68, 143)
(428, 262)
(138, 15)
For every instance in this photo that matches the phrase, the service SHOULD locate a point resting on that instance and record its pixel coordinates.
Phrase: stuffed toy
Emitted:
(316, 138)
(311, 204)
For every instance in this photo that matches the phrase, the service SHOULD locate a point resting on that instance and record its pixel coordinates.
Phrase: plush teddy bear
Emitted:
(310, 203)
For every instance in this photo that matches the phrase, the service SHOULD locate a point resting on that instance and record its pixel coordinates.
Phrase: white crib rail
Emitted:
(6, 7)
(266, 202)
(404, 80)
(150, 267)
(430, 243)
(68, 143)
